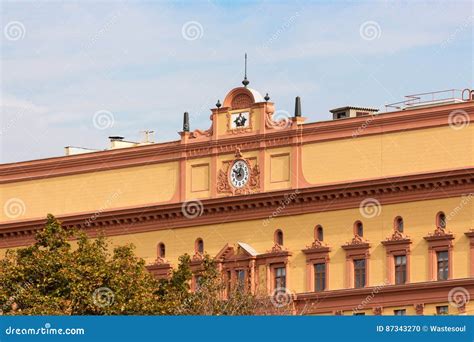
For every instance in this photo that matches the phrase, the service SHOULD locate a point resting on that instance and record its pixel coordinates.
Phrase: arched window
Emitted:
(199, 246)
(319, 233)
(441, 220)
(278, 237)
(358, 228)
(398, 224)
(161, 250)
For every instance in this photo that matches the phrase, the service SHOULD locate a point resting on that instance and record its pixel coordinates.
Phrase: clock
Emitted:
(239, 173)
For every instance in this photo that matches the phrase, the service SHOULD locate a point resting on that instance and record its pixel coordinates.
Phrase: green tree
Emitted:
(55, 277)
(51, 277)
(210, 298)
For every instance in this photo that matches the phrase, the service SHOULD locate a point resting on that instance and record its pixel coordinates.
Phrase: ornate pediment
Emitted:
(439, 234)
(277, 249)
(317, 245)
(357, 243)
(197, 257)
(397, 238)
(161, 261)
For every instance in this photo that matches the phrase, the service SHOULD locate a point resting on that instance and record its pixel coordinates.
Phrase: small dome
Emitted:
(242, 97)
(256, 95)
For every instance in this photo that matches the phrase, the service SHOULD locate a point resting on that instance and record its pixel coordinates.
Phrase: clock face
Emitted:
(239, 174)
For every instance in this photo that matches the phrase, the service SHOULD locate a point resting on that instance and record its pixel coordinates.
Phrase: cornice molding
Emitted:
(177, 150)
(255, 206)
(388, 295)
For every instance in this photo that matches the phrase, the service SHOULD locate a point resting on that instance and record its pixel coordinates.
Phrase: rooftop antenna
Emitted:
(245, 82)
(148, 134)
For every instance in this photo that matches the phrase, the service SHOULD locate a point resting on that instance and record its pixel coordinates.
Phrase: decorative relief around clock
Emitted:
(239, 177)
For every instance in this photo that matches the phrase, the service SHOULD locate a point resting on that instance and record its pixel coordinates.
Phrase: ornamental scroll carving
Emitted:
(284, 122)
(199, 133)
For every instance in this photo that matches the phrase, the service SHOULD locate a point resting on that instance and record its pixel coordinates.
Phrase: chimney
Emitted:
(186, 122)
(297, 107)
(351, 112)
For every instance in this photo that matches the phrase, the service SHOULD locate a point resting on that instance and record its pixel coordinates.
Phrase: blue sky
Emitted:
(148, 62)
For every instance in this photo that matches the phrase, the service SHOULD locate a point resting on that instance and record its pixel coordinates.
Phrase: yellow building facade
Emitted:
(368, 213)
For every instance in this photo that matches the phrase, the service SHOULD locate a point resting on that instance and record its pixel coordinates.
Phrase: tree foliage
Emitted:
(56, 277)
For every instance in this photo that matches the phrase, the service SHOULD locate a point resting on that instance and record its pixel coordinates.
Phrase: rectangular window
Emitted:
(401, 312)
(442, 310)
(400, 269)
(442, 265)
(359, 313)
(359, 273)
(280, 277)
(240, 277)
(320, 277)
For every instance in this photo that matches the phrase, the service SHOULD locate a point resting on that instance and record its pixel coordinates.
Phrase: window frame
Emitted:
(358, 228)
(441, 222)
(360, 277)
(199, 246)
(444, 270)
(278, 237)
(396, 224)
(403, 312)
(161, 250)
(322, 278)
(277, 277)
(319, 233)
(403, 268)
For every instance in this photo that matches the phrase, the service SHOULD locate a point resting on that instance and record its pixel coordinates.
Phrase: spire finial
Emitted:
(245, 82)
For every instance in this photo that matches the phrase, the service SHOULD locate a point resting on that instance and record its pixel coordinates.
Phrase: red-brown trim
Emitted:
(396, 245)
(154, 217)
(317, 253)
(439, 241)
(328, 302)
(186, 149)
(356, 249)
(161, 269)
(470, 236)
(272, 259)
